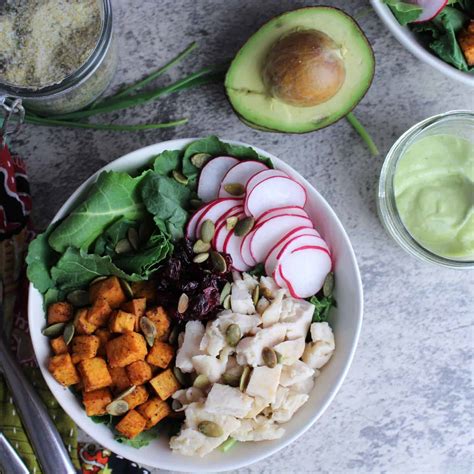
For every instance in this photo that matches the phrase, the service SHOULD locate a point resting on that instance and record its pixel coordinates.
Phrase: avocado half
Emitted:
(258, 107)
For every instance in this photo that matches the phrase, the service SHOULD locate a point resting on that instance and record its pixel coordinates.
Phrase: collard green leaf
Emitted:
(142, 439)
(404, 12)
(39, 260)
(167, 161)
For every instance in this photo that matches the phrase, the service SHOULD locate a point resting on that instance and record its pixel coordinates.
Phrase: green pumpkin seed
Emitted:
(176, 405)
(328, 286)
(132, 235)
(225, 292)
(179, 177)
(200, 159)
(279, 357)
(68, 333)
(201, 381)
(144, 231)
(231, 222)
(255, 295)
(227, 302)
(180, 377)
(201, 257)
(173, 337)
(117, 407)
(195, 203)
(125, 393)
(97, 279)
(127, 289)
(123, 246)
(234, 189)
(183, 303)
(244, 226)
(210, 429)
(231, 379)
(244, 378)
(148, 330)
(208, 229)
(233, 334)
(201, 247)
(218, 261)
(54, 330)
(78, 298)
(269, 357)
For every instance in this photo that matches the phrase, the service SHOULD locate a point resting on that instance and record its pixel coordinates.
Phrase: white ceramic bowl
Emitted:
(346, 322)
(410, 41)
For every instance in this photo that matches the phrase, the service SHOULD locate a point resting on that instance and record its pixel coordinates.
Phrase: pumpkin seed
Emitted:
(226, 302)
(183, 303)
(201, 257)
(148, 330)
(279, 357)
(54, 330)
(195, 203)
(200, 159)
(173, 337)
(117, 408)
(269, 357)
(208, 229)
(201, 247)
(125, 393)
(127, 289)
(233, 334)
(244, 226)
(231, 379)
(78, 298)
(219, 262)
(234, 189)
(201, 381)
(68, 333)
(255, 295)
(97, 279)
(180, 377)
(225, 292)
(328, 286)
(179, 177)
(262, 305)
(123, 246)
(132, 235)
(244, 378)
(176, 405)
(231, 222)
(210, 429)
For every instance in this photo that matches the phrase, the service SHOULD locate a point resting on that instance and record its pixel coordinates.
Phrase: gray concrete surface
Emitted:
(406, 405)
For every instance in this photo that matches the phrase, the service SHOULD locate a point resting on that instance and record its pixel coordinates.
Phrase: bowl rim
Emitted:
(403, 35)
(274, 447)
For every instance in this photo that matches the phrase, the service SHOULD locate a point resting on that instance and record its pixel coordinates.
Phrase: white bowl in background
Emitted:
(410, 41)
(346, 321)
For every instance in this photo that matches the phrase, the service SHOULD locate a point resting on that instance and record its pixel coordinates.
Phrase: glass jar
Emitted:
(83, 86)
(459, 123)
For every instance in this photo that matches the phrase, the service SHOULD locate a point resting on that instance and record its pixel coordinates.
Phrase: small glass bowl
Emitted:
(457, 122)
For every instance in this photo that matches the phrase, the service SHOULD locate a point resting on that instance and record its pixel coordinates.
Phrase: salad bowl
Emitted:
(346, 322)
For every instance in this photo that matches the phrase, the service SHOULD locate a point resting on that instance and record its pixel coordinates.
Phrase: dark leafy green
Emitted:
(258, 270)
(142, 439)
(39, 260)
(404, 12)
(322, 308)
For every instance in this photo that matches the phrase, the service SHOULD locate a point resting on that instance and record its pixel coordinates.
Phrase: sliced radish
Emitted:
(211, 176)
(214, 210)
(282, 211)
(277, 191)
(241, 173)
(232, 247)
(221, 227)
(278, 279)
(192, 223)
(430, 8)
(271, 259)
(272, 230)
(245, 249)
(260, 176)
(304, 269)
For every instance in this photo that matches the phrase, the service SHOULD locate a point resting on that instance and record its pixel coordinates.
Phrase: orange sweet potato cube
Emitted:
(59, 312)
(137, 397)
(58, 345)
(120, 380)
(165, 384)
(63, 370)
(144, 289)
(154, 410)
(136, 307)
(81, 324)
(139, 372)
(104, 335)
(110, 289)
(131, 424)
(160, 355)
(84, 347)
(95, 402)
(99, 312)
(120, 321)
(94, 374)
(161, 320)
(125, 349)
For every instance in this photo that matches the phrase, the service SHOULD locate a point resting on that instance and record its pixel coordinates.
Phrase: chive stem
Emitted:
(227, 444)
(363, 133)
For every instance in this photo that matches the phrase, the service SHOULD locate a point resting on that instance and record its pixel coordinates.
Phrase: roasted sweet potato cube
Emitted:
(82, 325)
(99, 312)
(131, 424)
(104, 335)
(110, 289)
(154, 410)
(58, 345)
(165, 384)
(137, 397)
(120, 321)
(63, 370)
(160, 355)
(161, 320)
(94, 374)
(466, 41)
(120, 380)
(84, 347)
(59, 312)
(125, 349)
(144, 289)
(136, 307)
(96, 401)
(139, 372)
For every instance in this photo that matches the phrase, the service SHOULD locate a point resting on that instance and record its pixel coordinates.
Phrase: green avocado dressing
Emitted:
(434, 194)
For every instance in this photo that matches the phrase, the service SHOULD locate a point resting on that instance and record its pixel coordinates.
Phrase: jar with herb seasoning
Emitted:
(58, 56)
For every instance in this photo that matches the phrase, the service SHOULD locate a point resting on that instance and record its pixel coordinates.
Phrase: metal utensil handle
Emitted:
(9, 459)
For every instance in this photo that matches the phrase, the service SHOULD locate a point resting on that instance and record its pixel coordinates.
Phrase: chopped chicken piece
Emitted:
(213, 340)
(296, 373)
(292, 402)
(250, 282)
(258, 404)
(291, 351)
(268, 287)
(264, 382)
(322, 332)
(298, 318)
(212, 367)
(189, 395)
(241, 298)
(190, 347)
(317, 354)
(226, 400)
(245, 322)
(306, 385)
(260, 429)
(272, 314)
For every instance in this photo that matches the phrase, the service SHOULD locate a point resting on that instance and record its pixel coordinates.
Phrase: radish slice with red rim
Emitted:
(245, 249)
(279, 211)
(241, 173)
(430, 8)
(211, 176)
(232, 247)
(215, 210)
(192, 223)
(261, 175)
(221, 228)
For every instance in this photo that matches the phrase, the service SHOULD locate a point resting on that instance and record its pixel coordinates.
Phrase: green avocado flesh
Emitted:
(256, 107)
